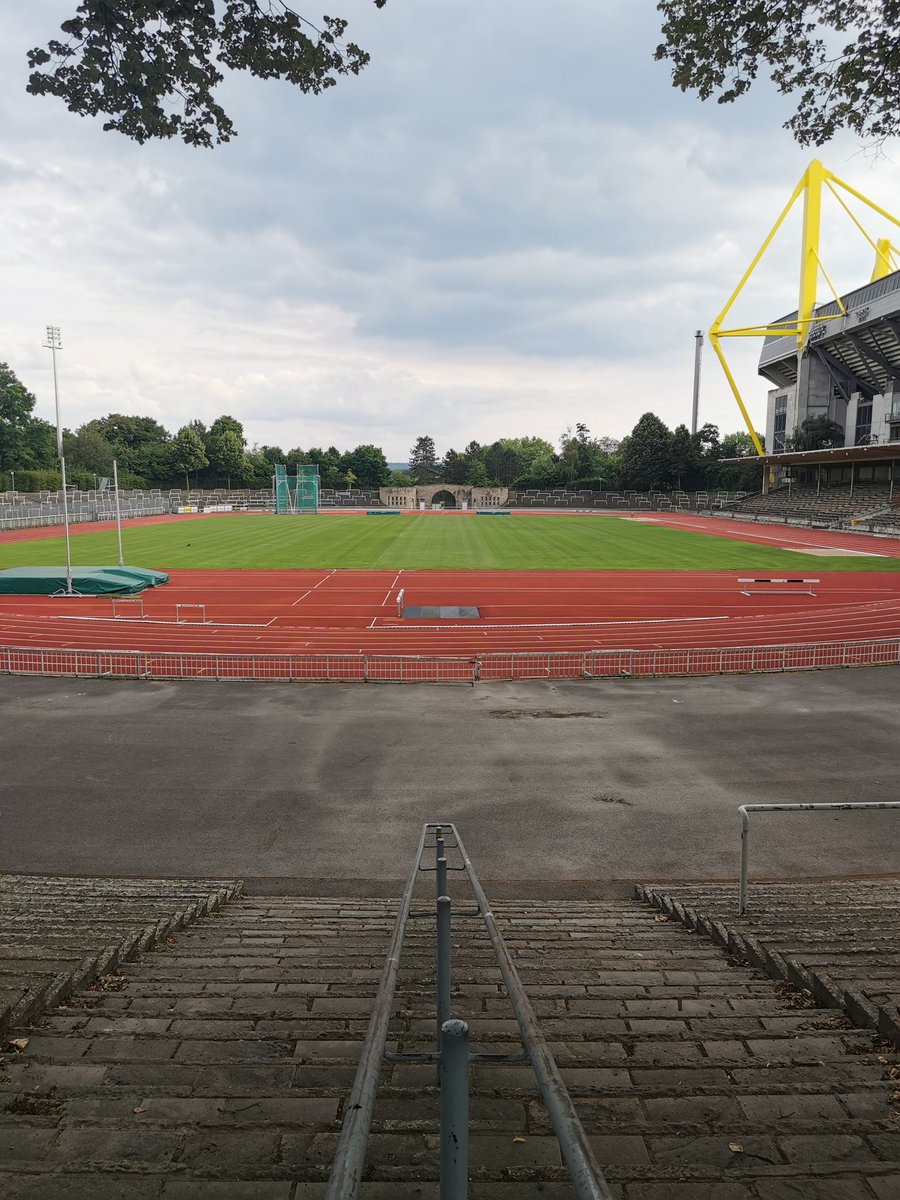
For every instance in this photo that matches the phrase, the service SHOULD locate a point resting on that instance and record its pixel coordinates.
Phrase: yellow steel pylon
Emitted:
(814, 179)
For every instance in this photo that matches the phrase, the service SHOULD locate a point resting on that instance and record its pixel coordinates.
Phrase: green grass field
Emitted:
(425, 542)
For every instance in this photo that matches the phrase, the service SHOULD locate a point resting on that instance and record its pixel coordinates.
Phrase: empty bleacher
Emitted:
(805, 501)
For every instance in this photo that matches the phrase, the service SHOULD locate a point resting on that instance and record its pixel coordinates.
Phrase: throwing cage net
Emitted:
(298, 493)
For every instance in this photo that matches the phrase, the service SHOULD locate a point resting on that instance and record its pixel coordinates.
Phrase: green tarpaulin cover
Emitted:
(88, 581)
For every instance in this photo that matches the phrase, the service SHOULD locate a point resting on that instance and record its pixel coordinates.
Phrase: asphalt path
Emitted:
(572, 786)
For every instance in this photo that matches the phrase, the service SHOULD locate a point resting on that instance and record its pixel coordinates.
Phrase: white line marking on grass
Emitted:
(313, 588)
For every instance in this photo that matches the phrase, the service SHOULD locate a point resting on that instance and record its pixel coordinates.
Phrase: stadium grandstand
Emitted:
(849, 373)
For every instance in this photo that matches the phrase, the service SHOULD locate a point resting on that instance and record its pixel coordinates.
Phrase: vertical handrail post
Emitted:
(454, 1065)
(745, 856)
(444, 914)
(441, 882)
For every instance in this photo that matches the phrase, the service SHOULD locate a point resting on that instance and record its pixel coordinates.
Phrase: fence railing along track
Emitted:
(408, 668)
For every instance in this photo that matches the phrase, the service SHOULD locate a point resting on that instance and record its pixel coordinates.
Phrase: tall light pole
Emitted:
(118, 512)
(53, 342)
(698, 354)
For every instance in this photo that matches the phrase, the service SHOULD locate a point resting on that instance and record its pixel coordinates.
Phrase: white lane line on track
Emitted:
(549, 625)
(115, 621)
(387, 594)
(735, 536)
(313, 588)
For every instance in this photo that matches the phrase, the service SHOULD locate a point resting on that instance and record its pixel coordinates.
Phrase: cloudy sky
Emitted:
(509, 223)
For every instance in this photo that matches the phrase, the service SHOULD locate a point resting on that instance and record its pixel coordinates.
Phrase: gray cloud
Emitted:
(508, 223)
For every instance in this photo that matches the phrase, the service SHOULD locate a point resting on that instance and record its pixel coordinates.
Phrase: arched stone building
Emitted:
(443, 495)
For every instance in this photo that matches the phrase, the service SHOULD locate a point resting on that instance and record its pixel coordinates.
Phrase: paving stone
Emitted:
(221, 1065)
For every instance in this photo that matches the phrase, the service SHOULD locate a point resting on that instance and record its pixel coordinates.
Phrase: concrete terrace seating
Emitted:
(628, 500)
(831, 502)
(219, 1063)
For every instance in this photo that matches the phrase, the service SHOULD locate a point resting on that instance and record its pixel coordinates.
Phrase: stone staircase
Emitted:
(58, 934)
(839, 940)
(218, 1065)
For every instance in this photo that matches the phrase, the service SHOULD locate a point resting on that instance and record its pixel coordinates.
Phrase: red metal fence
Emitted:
(401, 668)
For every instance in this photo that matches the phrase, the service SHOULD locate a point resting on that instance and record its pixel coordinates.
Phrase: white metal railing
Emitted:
(746, 809)
(83, 513)
(407, 668)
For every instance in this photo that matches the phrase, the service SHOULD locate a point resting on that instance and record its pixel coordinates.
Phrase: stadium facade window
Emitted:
(863, 422)
(779, 431)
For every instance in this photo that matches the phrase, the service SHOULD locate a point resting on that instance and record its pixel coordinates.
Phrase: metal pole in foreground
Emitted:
(118, 513)
(443, 967)
(698, 354)
(454, 1111)
(745, 855)
(53, 343)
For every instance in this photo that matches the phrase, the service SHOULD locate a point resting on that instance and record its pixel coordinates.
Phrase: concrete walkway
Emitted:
(574, 781)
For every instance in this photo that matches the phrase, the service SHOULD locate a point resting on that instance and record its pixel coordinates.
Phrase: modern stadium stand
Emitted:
(192, 1039)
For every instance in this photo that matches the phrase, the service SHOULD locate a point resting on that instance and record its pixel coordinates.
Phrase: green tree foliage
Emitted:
(815, 433)
(187, 453)
(258, 468)
(226, 424)
(647, 455)
(151, 67)
(89, 450)
(838, 59)
(126, 433)
(684, 457)
(226, 454)
(736, 477)
(38, 444)
(477, 476)
(569, 462)
(329, 463)
(26, 442)
(401, 479)
(423, 461)
(453, 468)
(368, 466)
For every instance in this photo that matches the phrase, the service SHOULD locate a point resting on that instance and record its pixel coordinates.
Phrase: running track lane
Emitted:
(272, 612)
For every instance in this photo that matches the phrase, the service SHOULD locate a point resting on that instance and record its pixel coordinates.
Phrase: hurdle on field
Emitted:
(400, 596)
(768, 591)
(194, 614)
(124, 607)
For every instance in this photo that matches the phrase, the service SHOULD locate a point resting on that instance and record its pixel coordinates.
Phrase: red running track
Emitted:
(348, 612)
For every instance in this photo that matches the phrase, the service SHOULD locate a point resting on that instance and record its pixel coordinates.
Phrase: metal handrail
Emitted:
(346, 1172)
(746, 809)
(573, 1143)
(350, 1152)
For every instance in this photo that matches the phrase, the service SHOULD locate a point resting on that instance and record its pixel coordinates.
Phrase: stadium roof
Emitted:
(835, 456)
(859, 346)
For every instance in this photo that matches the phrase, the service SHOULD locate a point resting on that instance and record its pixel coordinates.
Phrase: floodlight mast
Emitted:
(698, 355)
(53, 342)
(118, 513)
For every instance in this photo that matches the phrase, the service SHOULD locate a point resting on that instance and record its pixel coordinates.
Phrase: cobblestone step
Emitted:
(219, 1066)
(843, 937)
(58, 934)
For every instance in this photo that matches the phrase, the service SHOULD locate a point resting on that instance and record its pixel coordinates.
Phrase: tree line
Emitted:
(651, 457)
